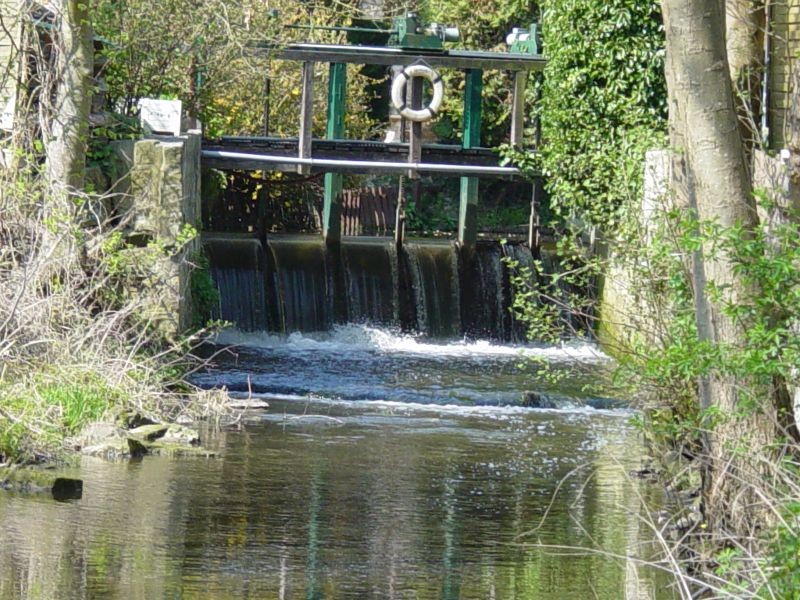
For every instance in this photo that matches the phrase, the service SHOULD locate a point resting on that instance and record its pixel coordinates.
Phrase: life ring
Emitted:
(399, 93)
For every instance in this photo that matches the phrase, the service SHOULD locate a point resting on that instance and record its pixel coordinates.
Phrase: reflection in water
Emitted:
(351, 499)
(358, 504)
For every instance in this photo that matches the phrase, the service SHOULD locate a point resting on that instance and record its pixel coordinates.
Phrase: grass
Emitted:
(39, 413)
(75, 345)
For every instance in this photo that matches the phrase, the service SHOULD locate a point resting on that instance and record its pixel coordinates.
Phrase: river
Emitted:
(386, 467)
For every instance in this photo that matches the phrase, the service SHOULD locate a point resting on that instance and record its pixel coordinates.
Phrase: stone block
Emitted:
(158, 192)
(629, 314)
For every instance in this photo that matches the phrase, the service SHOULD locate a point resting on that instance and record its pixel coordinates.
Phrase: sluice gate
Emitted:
(413, 50)
(274, 280)
(299, 283)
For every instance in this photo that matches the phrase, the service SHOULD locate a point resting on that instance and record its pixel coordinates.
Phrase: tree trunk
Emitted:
(68, 130)
(701, 91)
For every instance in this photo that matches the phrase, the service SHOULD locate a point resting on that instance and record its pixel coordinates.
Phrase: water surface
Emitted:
(386, 467)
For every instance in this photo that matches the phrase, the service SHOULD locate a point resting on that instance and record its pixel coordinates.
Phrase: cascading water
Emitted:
(303, 282)
(522, 261)
(559, 288)
(435, 287)
(484, 297)
(429, 287)
(371, 279)
(238, 270)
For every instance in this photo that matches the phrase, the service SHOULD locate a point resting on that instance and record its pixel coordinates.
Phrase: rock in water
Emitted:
(32, 480)
(537, 400)
(149, 433)
(106, 440)
(180, 434)
(97, 433)
(65, 488)
(137, 448)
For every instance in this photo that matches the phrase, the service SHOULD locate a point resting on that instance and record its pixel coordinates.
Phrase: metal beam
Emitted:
(220, 158)
(468, 210)
(378, 55)
(361, 150)
(337, 97)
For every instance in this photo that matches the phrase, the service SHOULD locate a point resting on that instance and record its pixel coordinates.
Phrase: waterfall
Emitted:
(303, 282)
(484, 297)
(431, 287)
(561, 290)
(522, 256)
(371, 280)
(238, 270)
(435, 286)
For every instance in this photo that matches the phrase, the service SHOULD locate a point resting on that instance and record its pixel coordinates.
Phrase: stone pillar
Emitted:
(159, 195)
(627, 313)
(11, 17)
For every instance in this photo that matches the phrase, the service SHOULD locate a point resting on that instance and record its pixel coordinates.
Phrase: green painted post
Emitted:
(468, 213)
(332, 211)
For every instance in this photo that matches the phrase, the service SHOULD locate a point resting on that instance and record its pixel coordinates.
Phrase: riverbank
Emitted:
(54, 415)
(87, 326)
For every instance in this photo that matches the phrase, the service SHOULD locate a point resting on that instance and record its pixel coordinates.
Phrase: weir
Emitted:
(371, 280)
(297, 283)
(436, 287)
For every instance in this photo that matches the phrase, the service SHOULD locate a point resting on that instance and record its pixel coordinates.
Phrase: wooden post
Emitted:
(332, 211)
(306, 117)
(468, 212)
(533, 222)
(400, 213)
(415, 140)
(518, 108)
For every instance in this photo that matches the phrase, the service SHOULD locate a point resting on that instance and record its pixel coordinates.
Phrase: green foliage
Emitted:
(35, 418)
(482, 29)
(437, 211)
(203, 53)
(501, 209)
(501, 216)
(530, 303)
(783, 561)
(668, 360)
(204, 292)
(553, 297)
(119, 127)
(603, 102)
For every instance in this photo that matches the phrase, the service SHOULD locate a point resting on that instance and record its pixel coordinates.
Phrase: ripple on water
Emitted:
(386, 466)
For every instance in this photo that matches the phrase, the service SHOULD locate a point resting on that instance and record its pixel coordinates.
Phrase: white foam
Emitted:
(397, 407)
(351, 337)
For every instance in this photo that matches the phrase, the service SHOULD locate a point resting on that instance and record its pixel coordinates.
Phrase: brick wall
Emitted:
(10, 39)
(785, 28)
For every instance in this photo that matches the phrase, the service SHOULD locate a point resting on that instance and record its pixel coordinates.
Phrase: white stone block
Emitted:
(7, 116)
(160, 116)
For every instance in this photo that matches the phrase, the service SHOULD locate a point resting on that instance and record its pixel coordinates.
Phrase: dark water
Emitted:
(295, 283)
(386, 467)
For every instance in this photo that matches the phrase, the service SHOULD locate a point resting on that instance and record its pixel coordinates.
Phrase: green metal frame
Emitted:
(468, 212)
(529, 46)
(406, 35)
(332, 210)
